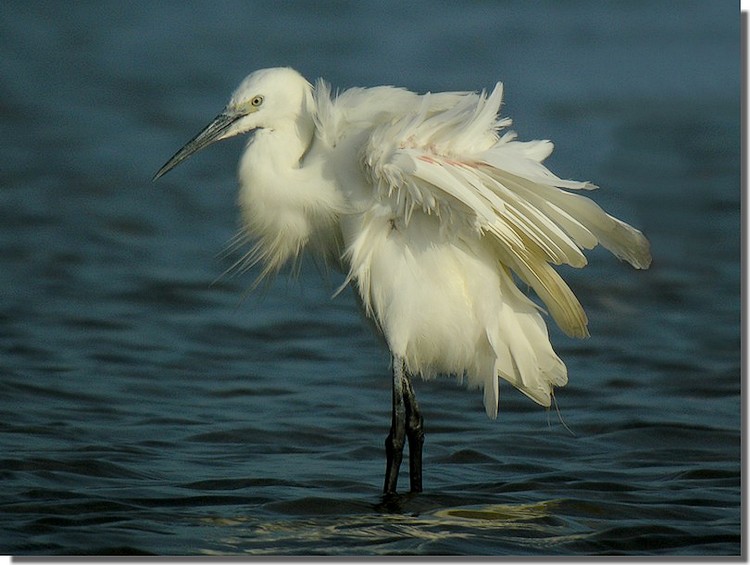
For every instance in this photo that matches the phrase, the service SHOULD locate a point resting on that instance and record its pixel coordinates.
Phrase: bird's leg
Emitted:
(406, 423)
(394, 443)
(415, 435)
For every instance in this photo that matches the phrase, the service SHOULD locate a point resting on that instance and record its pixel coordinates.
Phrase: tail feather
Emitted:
(523, 354)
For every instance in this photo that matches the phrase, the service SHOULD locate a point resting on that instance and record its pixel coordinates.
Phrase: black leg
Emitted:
(415, 435)
(394, 443)
(406, 423)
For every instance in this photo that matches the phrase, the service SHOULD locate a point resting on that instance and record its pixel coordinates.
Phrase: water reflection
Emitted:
(409, 530)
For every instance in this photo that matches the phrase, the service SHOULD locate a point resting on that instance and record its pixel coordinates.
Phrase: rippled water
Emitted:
(150, 405)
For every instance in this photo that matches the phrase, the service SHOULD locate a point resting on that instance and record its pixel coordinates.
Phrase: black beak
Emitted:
(212, 132)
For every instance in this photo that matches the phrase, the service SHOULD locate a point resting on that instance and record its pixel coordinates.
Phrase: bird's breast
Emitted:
(426, 291)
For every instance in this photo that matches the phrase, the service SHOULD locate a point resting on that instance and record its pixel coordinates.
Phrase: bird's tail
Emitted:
(523, 354)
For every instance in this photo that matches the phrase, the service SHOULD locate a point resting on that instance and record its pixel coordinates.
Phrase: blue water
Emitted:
(150, 405)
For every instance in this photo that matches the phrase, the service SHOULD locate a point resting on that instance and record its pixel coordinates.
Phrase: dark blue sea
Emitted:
(150, 404)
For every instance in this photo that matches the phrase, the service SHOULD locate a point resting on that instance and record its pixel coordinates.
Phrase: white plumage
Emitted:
(429, 205)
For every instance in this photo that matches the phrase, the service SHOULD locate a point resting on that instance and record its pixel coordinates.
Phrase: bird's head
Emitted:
(267, 98)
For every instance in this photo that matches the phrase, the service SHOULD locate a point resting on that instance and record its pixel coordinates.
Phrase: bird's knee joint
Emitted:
(416, 436)
(394, 443)
(415, 424)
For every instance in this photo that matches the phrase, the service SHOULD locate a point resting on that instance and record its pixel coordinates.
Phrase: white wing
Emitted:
(442, 155)
(450, 161)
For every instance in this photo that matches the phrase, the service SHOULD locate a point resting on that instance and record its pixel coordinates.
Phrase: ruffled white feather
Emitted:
(431, 206)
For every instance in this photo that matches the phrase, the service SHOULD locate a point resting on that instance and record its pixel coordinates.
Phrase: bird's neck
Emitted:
(286, 204)
(283, 146)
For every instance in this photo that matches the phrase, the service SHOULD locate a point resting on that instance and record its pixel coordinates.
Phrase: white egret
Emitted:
(430, 206)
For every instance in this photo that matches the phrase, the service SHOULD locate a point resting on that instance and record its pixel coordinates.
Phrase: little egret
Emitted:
(430, 207)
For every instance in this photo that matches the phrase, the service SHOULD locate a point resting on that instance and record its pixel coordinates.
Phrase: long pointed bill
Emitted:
(212, 132)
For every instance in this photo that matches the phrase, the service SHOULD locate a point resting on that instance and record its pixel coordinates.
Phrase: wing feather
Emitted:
(448, 160)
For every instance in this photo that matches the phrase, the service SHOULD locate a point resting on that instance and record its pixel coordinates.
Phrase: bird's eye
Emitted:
(257, 101)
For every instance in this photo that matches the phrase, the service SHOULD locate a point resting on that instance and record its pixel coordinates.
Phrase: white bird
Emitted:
(430, 207)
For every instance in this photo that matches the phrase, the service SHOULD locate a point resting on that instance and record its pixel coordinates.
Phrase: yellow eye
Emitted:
(257, 101)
